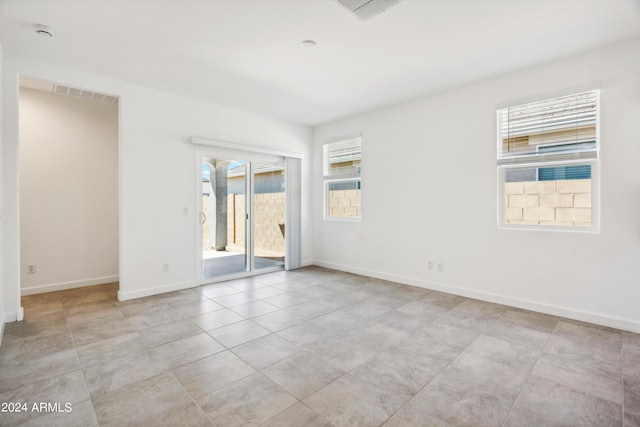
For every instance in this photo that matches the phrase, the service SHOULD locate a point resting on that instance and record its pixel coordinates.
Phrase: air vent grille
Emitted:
(367, 9)
(84, 94)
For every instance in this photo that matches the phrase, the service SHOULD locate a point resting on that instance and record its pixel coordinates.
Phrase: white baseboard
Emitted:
(14, 316)
(306, 263)
(62, 286)
(139, 293)
(567, 312)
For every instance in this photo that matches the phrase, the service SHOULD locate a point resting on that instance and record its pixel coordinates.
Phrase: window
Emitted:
(548, 163)
(342, 167)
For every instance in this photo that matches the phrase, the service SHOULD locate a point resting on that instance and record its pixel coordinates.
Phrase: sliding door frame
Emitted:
(224, 150)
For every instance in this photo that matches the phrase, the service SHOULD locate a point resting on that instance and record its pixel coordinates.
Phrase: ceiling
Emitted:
(247, 54)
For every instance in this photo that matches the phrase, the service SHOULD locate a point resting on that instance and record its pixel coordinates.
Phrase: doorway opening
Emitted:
(69, 187)
(242, 217)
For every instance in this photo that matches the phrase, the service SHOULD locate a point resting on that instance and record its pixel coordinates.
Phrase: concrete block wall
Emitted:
(269, 211)
(236, 212)
(562, 203)
(206, 224)
(344, 204)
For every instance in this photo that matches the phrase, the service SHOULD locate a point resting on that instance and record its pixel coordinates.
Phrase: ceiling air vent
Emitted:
(84, 94)
(367, 9)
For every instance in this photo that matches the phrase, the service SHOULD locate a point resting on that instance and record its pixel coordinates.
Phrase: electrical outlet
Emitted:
(31, 268)
(165, 267)
(440, 266)
(430, 265)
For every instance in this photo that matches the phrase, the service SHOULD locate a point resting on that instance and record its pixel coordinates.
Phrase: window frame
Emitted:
(346, 177)
(549, 160)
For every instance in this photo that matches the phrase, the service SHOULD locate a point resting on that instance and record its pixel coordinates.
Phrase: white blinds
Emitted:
(554, 129)
(343, 156)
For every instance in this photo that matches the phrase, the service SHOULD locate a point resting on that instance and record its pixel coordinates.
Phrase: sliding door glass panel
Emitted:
(268, 214)
(224, 214)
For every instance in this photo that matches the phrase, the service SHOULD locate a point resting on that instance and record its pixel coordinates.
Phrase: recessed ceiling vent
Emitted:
(84, 94)
(367, 9)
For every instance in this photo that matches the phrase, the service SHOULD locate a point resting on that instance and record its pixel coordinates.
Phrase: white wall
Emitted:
(441, 149)
(2, 283)
(68, 191)
(158, 172)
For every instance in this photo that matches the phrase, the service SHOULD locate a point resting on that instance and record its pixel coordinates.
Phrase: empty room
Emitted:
(320, 213)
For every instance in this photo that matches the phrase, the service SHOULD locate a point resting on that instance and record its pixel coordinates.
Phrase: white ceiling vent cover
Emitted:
(84, 94)
(367, 9)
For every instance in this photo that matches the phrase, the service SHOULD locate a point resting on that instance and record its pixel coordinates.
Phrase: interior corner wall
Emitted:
(157, 174)
(68, 192)
(429, 192)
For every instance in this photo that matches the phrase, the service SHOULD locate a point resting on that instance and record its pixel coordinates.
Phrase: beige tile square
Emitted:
(81, 414)
(119, 372)
(266, 351)
(66, 388)
(163, 334)
(185, 350)
(90, 331)
(18, 372)
(296, 416)
(545, 402)
(238, 333)
(212, 373)
(302, 374)
(111, 348)
(248, 402)
(216, 319)
(140, 402)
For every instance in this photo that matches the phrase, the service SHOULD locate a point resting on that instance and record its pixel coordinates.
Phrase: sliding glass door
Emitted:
(268, 204)
(242, 217)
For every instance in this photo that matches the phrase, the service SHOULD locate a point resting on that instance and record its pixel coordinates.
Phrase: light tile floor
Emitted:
(313, 347)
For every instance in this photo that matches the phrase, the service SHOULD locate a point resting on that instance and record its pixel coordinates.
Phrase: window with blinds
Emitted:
(342, 168)
(549, 129)
(547, 153)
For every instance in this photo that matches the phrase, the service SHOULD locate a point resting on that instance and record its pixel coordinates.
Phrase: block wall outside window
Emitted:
(548, 162)
(559, 203)
(342, 166)
(344, 199)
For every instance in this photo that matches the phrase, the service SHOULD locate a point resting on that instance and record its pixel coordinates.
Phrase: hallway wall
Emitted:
(68, 191)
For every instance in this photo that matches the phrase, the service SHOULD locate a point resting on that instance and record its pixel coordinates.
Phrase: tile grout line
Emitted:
(331, 382)
(515, 401)
(170, 372)
(622, 379)
(81, 367)
(284, 390)
(189, 394)
(148, 347)
(433, 378)
(418, 391)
